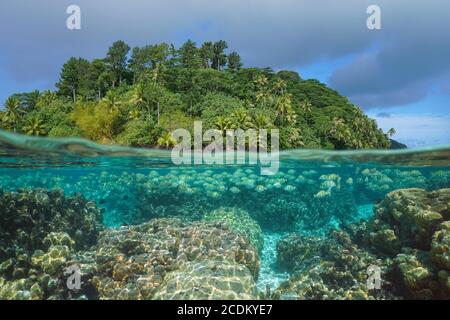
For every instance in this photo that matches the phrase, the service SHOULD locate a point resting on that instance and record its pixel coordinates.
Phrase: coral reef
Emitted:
(132, 262)
(331, 267)
(408, 217)
(40, 230)
(408, 239)
(240, 221)
(208, 280)
(175, 233)
(287, 201)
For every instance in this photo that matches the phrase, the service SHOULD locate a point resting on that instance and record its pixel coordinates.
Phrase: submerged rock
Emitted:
(240, 221)
(40, 230)
(408, 218)
(331, 267)
(133, 262)
(408, 239)
(208, 280)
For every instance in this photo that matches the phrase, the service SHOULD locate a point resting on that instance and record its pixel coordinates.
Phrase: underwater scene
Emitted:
(84, 221)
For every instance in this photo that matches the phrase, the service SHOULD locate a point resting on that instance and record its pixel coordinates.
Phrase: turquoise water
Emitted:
(313, 192)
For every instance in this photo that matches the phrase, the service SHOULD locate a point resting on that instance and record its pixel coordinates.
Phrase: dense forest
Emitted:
(137, 96)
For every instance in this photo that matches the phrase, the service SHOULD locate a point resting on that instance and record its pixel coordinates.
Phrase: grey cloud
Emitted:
(276, 33)
(410, 59)
(383, 115)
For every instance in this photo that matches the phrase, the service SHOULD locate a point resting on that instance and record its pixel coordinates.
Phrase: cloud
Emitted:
(383, 115)
(396, 65)
(409, 59)
(285, 33)
(417, 130)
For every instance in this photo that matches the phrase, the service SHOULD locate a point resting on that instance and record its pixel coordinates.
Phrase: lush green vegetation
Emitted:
(137, 96)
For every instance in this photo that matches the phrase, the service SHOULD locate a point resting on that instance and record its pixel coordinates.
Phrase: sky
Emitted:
(399, 75)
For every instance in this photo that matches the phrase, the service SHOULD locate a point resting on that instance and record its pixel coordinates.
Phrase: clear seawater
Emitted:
(313, 191)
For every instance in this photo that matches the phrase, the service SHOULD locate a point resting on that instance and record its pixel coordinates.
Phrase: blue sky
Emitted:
(399, 75)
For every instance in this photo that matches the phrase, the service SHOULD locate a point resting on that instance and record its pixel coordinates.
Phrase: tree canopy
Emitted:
(136, 96)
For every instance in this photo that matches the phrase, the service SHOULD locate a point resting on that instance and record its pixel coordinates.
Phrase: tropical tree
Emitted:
(166, 140)
(100, 78)
(137, 63)
(35, 127)
(13, 113)
(340, 132)
(112, 100)
(284, 110)
(116, 59)
(73, 78)
(391, 132)
(219, 57)
(262, 92)
(240, 119)
(234, 61)
(223, 124)
(207, 54)
(45, 99)
(190, 55)
(279, 87)
(261, 121)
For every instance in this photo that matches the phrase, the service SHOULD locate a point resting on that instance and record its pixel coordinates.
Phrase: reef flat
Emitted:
(45, 232)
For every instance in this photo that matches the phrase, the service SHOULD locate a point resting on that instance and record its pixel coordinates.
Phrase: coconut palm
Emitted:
(138, 96)
(166, 140)
(262, 94)
(223, 124)
(34, 127)
(391, 132)
(306, 107)
(13, 113)
(134, 114)
(241, 119)
(112, 100)
(284, 110)
(279, 87)
(261, 121)
(340, 131)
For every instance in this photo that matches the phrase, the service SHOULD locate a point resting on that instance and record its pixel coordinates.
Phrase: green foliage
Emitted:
(98, 122)
(138, 98)
(139, 133)
(74, 77)
(65, 130)
(166, 140)
(116, 59)
(13, 114)
(234, 61)
(34, 127)
(215, 105)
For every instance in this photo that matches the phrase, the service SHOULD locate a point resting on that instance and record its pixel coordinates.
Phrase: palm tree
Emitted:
(166, 140)
(240, 119)
(223, 124)
(284, 110)
(34, 127)
(138, 97)
(340, 132)
(391, 132)
(262, 94)
(112, 100)
(13, 113)
(279, 86)
(46, 98)
(261, 121)
(306, 107)
(134, 114)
